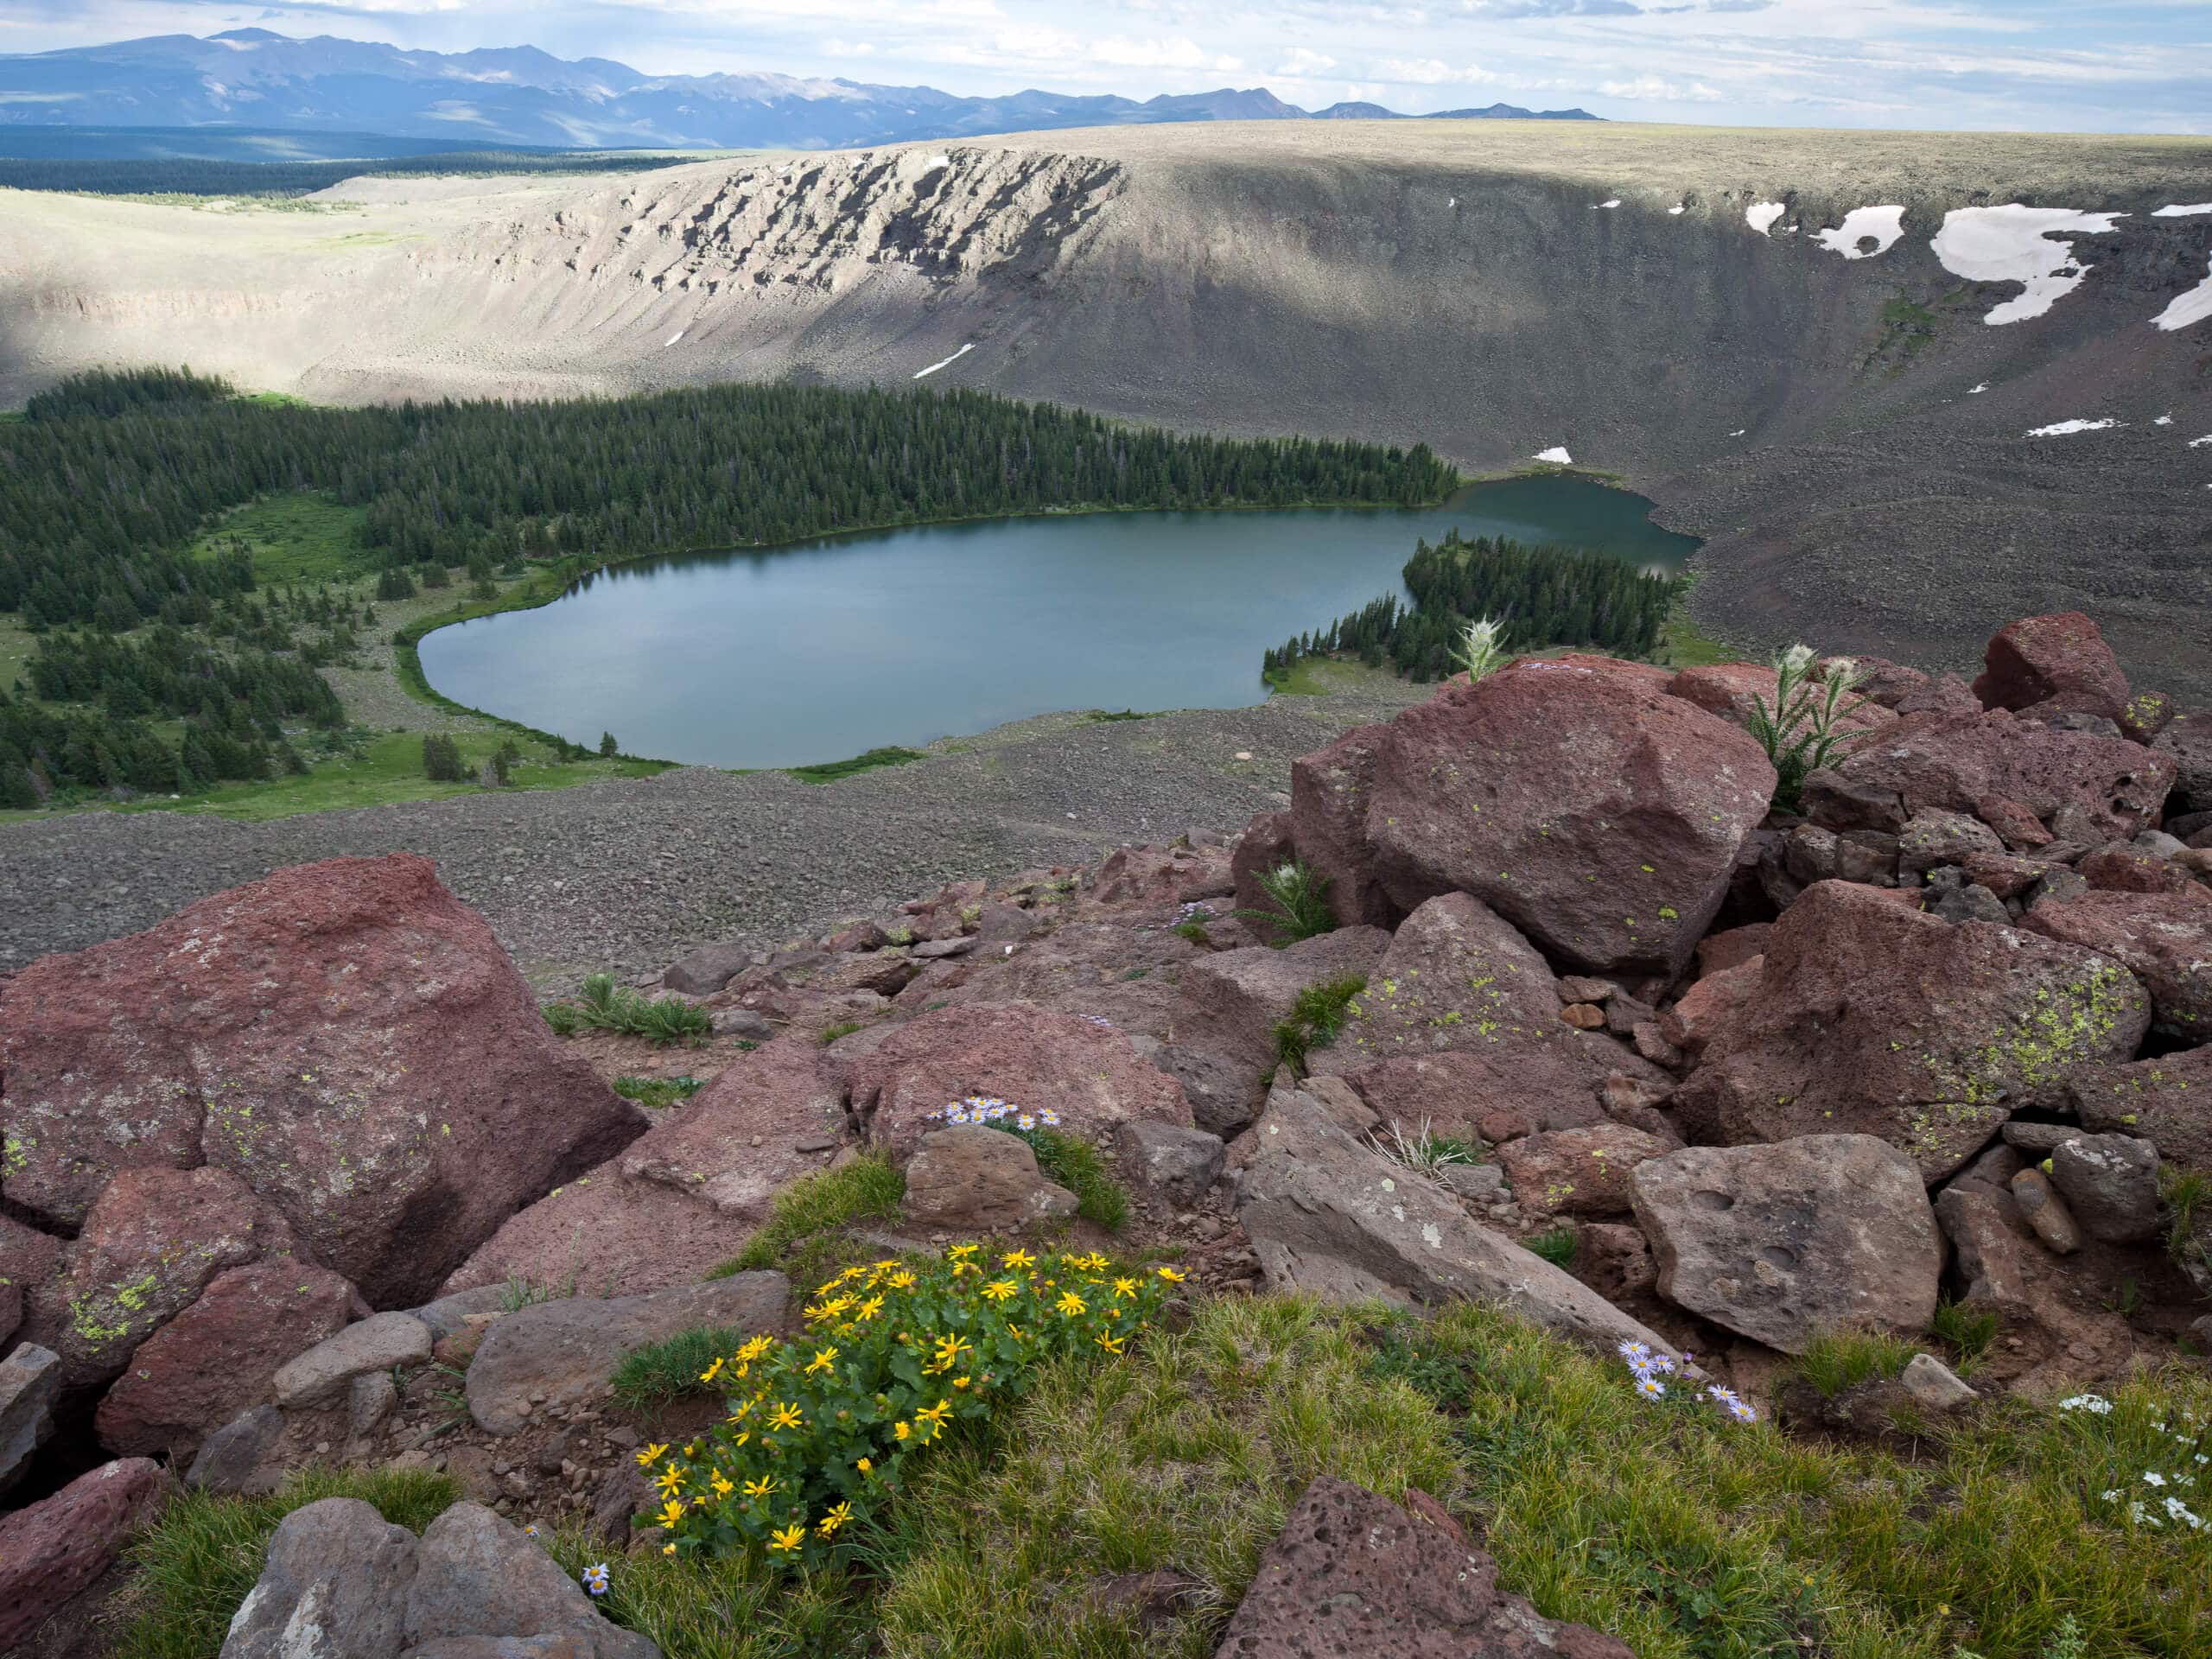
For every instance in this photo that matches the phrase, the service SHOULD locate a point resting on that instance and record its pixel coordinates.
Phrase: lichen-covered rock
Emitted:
(27, 1256)
(2166, 1101)
(1354, 1576)
(1872, 1018)
(1601, 818)
(215, 1359)
(1783, 1242)
(2059, 663)
(302, 1033)
(2164, 938)
(1583, 1171)
(152, 1242)
(2111, 1184)
(1232, 1000)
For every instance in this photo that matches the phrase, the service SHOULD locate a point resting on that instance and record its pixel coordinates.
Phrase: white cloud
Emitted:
(1651, 89)
(1302, 61)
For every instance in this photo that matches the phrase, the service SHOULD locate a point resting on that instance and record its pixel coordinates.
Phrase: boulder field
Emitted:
(1741, 1077)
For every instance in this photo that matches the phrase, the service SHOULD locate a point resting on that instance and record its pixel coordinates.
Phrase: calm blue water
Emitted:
(824, 649)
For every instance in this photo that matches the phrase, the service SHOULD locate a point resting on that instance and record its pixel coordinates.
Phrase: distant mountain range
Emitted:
(252, 79)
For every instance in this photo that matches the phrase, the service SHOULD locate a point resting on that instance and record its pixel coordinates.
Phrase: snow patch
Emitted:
(1452, 201)
(2163, 420)
(930, 164)
(1739, 431)
(2067, 429)
(1556, 455)
(673, 338)
(2195, 210)
(1883, 227)
(1676, 212)
(2204, 442)
(2192, 307)
(1976, 391)
(2013, 244)
(1600, 207)
(1761, 215)
(954, 358)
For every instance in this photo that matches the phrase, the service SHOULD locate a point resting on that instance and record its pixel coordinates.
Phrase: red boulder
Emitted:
(54, 1549)
(1328, 824)
(347, 1038)
(2059, 664)
(2164, 938)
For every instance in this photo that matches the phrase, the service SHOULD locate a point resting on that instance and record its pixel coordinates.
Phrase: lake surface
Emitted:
(821, 650)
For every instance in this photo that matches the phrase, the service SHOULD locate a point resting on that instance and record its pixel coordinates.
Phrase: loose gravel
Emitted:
(628, 875)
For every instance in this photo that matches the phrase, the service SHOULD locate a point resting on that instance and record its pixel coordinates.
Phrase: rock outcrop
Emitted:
(55, 1547)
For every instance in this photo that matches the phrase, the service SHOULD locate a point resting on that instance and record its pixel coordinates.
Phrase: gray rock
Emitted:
(2046, 1213)
(449, 1314)
(565, 1350)
(1784, 1241)
(1177, 1163)
(334, 1586)
(1971, 903)
(2039, 1140)
(2157, 843)
(2057, 888)
(1329, 1214)
(233, 1458)
(376, 1343)
(373, 1398)
(30, 1381)
(982, 1179)
(706, 969)
(937, 950)
(1931, 1385)
(744, 1024)
(1478, 1184)
(2111, 1182)
(1933, 837)
(476, 1575)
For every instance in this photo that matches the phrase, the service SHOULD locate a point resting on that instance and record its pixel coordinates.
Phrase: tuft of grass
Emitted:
(1557, 1246)
(195, 1565)
(722, 1607)
(2187, 1196)
(1316, 1018)
(1195, 932)
(818, 1207)
(667, 1370)
(1075, 1164)
(602, 1005)
(1297, 903)
(842, 1028)
(657, 1091)
(1425, 1152)
(1969, 1327)
(563, 1017)
(831, 771)
(1838, 1360)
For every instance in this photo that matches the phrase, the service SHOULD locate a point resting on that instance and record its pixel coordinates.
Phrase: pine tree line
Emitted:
(1543, 595)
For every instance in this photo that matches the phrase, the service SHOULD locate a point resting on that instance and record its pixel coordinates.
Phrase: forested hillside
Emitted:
(106, 478)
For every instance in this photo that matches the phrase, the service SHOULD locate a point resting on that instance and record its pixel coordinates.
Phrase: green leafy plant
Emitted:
(1801, 730)
(1481, 650)
(657, 1091)
(1298, 904)
(1075, 1164)
(1837, 1360)
(563, 1017)
(1195, 932)
(2187, 1196)
(603, 1005)
(1557, 1246)
(1316, 1018)
(1970, 1327)
(822, 1428)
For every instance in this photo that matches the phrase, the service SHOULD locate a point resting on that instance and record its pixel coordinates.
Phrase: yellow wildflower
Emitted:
(789, 1538)
(1017, 1260)
(1171, 1275)
(837, 1517)
(902, 1279)
(670, 1480)
(668, 1549)
(755, 1348)
(864, 1465)
(652, 1454)
(1070, 1303)
(711, 1372)
(786, 1416)
(1125, 1286)
(870, 1308)
(959, 1382)
(822, 1360)
(853, 1273)
(948, 1350)
(1109, 1342)
(722, 1485)
(961, 1252)
(1003, 1290)
(672, 1512)
(902, 1430)
(762, 1487)
(935, 1414)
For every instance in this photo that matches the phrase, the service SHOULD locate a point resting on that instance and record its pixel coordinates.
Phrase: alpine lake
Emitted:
(818, 651)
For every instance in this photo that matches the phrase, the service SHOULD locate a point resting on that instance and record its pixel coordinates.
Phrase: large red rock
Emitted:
(1328, 825)
(1601, 818)
(2089, 789)
(1872, 1018)
(2187, 741)
(2059, 663)
(1478, 1094)
(1583, 1171)
(683, 1197)
(153, 1241)
(2166, 1101)
(347, 1037)
(54, 1549)
(1031, 1058)
(1354, 1575)
(27, 1256)
(2164, 938)
(215, 1359)
(1735, 692)
(1460, 978)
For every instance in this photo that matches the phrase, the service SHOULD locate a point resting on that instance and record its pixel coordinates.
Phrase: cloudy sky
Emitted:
(2067, 65)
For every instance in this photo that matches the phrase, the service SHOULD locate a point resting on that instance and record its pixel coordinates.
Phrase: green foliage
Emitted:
(441, 762)
(1837, 1360)
(195, 1565)
(1425, 1152)
(105, 394)
(726, 1607)
(1479, 651)
(661, 1371)
(602, 1005)
(817, 1206)
(657, 1091)
(608, 746)
(394, 583)
(1557, 1246)
(829, 771)
(1316, 1018)
(1195, 932)
(1297, 906)
(1969, 1327)
(1075, 1164)
(822, 1429)
(1527, 597)
(2187, 1196)
(1802, 729)
(830, 1033)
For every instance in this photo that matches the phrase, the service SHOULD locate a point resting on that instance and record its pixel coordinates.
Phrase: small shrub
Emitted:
(823, 1428)
(1195, 933)
(1838, 1360)
(602, 1005)
(1970, 1327)
(1316, 1018)
(1557, 1246)
(196, 1565)
(395, 583)
(2188, 1196)
(1800, 733)
(661, 1371)
(658, 1092)
(1297, 903)
(563, 1017)
(868, 1189)
(441, 762)
(608, 748)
